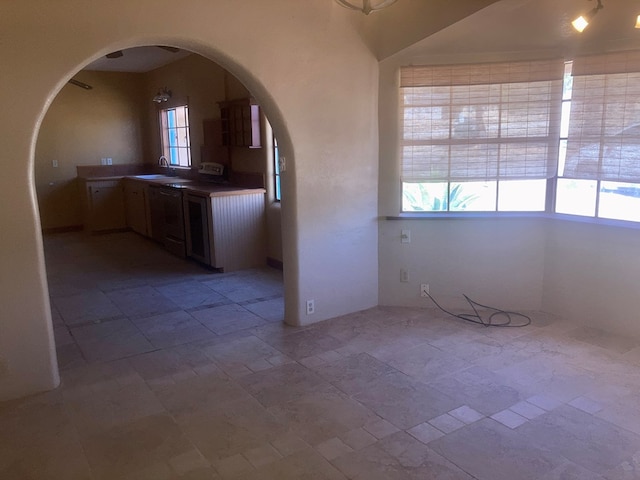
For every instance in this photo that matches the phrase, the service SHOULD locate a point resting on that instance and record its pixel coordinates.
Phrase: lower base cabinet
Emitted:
(104, 205)
(137, 208)
(226, 231)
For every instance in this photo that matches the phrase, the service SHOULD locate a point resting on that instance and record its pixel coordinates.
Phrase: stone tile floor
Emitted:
(170, 371)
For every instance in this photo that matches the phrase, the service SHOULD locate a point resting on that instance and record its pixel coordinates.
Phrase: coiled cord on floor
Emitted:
(489, 321)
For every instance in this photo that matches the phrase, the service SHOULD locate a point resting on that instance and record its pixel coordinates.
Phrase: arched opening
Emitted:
(104, 139)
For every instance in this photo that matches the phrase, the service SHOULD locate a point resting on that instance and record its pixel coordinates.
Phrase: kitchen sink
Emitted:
(152, 176)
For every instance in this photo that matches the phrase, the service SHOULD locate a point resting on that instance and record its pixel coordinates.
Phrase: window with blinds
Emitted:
(604, 124)
(601, 172)
(468, 128)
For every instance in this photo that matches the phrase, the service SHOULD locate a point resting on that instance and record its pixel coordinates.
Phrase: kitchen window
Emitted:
(174, 129)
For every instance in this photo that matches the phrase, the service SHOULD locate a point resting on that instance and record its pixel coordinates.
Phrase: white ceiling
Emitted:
(139, 60)
(535, 26)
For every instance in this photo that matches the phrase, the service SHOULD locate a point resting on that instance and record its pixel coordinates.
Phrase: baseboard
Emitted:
(273, 263)
(69, 228)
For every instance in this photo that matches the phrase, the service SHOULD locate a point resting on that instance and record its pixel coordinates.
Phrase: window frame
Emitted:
(175, 154)
(508, 113)
(597, 72)
(277, 192)
(615, 218)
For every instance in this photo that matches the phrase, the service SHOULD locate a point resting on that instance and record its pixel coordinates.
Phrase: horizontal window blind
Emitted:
(604, 124)
(480, 122)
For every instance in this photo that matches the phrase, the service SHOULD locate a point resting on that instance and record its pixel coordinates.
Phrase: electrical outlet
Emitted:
(311, 307)
(109, 161)
(404, 275)
(424, 290)
(405, 236)
(103, 161)
(54, 163)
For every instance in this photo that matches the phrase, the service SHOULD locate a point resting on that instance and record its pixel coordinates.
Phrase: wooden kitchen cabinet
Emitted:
(136, 198)
(240, 123)
(104, 205)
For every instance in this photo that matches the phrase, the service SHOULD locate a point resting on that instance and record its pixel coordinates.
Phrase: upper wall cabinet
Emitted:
(240, 123)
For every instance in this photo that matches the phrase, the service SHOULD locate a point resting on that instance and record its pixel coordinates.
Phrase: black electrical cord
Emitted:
(489, 322)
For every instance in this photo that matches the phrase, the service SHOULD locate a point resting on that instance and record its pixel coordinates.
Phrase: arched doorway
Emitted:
(98, 300)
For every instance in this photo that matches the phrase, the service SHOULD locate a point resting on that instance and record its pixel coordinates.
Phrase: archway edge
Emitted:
(328, 101)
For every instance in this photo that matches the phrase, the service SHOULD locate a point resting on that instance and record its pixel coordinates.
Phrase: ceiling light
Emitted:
(162, 96)
(583, 21)
(580, 23)
(638, 22)
(366, 6)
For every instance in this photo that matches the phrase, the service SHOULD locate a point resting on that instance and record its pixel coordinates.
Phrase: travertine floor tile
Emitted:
(192, 375)
(171, 329)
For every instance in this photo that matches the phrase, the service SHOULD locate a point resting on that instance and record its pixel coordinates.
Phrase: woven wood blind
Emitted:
(604, 125)
(480, 122)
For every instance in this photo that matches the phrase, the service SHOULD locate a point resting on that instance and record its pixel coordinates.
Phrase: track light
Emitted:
(583, 21)
(366, 6)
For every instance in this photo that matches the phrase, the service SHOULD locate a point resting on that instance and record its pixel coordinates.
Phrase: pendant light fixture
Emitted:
(366, 6)
(162, 96)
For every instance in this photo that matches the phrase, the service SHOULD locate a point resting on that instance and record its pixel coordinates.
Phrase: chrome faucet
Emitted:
(163, 162)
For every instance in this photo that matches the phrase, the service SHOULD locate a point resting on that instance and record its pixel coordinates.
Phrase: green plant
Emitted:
(432, 197)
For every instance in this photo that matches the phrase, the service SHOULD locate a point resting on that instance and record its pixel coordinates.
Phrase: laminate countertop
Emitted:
(194, 187)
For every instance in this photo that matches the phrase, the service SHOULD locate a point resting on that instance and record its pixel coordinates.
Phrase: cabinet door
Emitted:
(238, 232)
(197, 231)
(156, 214)
(135, 203)
(240, 120)
(106, 206)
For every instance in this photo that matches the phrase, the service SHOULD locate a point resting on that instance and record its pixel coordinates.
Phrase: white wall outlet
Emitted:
(404, 275)
(424, 290)
(405, 236)
(109, 161)
(103, 161)
(54, 163)
(311, 307)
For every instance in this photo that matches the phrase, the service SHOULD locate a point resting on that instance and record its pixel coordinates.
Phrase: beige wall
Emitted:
(592, 273)
(325, 119)
(81, 127)
(497, 262)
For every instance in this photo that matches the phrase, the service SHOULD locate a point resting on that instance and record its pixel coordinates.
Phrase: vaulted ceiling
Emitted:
(445, 29)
